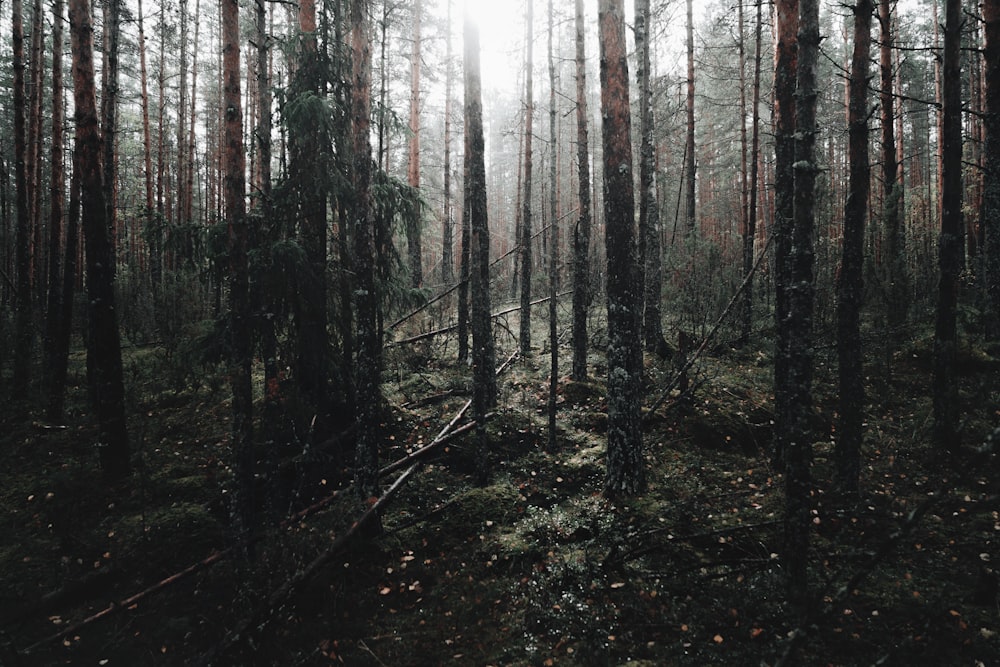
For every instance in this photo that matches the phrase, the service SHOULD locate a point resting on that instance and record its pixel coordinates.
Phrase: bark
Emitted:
(54, 323)
(109, 112)
(649, 212)
(146, 136)
(34, 159)
(524, 333)
(750, 232)
(785, 59)
(484, 388)
(60, 345)
(190, 143)
(991, 160)
(447, 223)
(951, 250)
(553, 245)
(795, 413)
(690, 162)
(850, 285)
(366, 374)
(240, 315)
(107, 382)
(581, 233)
(626, 471)
(413, 166)
(24, 334)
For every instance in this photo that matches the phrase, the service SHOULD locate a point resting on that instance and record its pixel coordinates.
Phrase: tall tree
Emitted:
(690, 161)
(524, 333)
(413, 231)
(991, 158)
(109, 111)
(801, 293)
(484, 388)
(368, 389)
(750, 231)
(951, 251)
(581, 232)
(649, 211)
(108, 385)
(447, 223)
(626, 473)
(553, 241)
(24, 335)
(850, 286)
(240, 315)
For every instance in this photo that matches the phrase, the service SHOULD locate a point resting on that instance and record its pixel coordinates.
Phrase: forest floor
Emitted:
(537, 567)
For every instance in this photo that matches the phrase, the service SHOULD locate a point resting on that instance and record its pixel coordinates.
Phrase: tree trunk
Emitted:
(690, 162)
(991, 159)
(553, 244)
(24, 335)
(750, 232)
(366, 374)
(484, 389)
(413, 165)
(524, 337)
(54, 323)
(649, 212)
(60, 345)
(109, 113)
(108, 386)
(581, 233)
(240, 315)
(626, 470)
(951, 251)
(34, 159)
(850, 286)
(447, 222)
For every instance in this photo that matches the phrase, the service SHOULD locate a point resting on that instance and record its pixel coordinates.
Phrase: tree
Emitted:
(850, 286)
(24, 333)
(801, 294)
(447, 223)
(484, 388)
(553, 243)
(649, 212)
(750, 230)
(240, 315)
(951, 251)
(366, 373)
(991, 162)
(626, 469)
(109, 110)
(108, 386)
(413, 165)
(581, 232)
(690, 162)
(524, 333)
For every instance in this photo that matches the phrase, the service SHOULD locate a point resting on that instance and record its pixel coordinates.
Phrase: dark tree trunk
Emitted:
(524, 337)
(795, 414)
(366, 374)
(447, 222)
(553, 245)
(109, 113)
(690, 165)
(581, 233)
(108, 386)
(951, 250)
(991, 159)
(785, 59)
(413, 222)
(24, 334)
(750, 232)
(240, 313)
(626, 470)
(484, 388)
(649, 212)
(850, 287)
(54, 323)
(60, 345)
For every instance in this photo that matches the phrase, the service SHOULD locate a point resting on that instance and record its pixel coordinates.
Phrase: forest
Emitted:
(419, 332)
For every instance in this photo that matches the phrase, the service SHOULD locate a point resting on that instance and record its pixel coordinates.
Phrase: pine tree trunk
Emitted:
(750, 234)
(60, 345)
(690, 161)
(107, 383)
(553, 244)
(447, 221)
(54, 322)
(24, 332)
(649, 212)
(366, 374)
(524, 333)
(109, 113)
(581, 233)
(484, 389)
(626, 470)
(413, 165)
(991, 159)
(34, 160)
(951, 251)
(850, 285)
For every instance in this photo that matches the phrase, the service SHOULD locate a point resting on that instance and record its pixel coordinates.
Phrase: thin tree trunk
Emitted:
(850, 285)
(581, 232)
(690, 162)
(57, 197)
(109, 114)
(108, 385)
(626, 473)
(34, 160)
(484, 388)
(447, 222)
(991, 160)
(524, 337)
(60, 346)
(413, 165)
(951, 251)
(190, 144)
(750, 233)
(24, 335)
(553, 244)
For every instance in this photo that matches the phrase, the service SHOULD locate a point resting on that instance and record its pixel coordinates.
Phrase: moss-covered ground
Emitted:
(536, 568)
